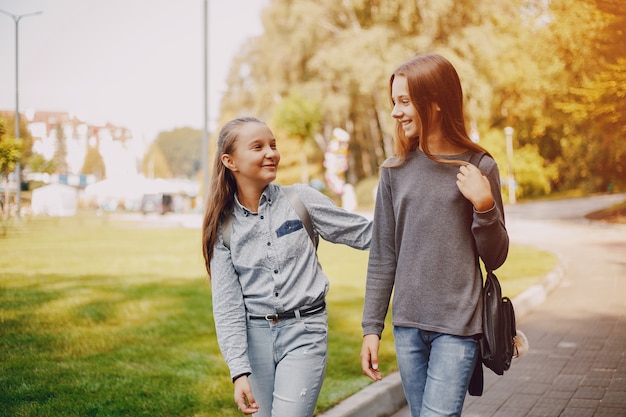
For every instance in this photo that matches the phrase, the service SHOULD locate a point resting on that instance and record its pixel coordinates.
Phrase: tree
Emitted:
(301, 119)
(60, 152)
(10, 155)
(38, 163)
(536, 65)
(94, 163)
(182, 149)
(155, 164)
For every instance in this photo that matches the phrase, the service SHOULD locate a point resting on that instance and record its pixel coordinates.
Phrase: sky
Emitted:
(132, 63)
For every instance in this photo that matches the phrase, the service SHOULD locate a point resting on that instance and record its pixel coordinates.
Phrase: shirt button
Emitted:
(269, 243)
(262, 217)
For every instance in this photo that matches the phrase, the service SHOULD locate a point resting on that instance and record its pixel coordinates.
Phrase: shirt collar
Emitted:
(268, 197)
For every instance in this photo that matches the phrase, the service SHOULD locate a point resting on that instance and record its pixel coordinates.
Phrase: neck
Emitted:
(249, 197)
(439, 145)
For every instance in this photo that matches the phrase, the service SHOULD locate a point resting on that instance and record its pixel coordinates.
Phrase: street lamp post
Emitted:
(205, 130)
(508, 131)
(18, 169)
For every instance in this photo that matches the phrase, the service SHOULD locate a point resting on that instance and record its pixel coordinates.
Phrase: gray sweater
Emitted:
(426, 242)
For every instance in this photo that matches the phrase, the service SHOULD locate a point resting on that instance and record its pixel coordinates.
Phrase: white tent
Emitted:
(55, 200)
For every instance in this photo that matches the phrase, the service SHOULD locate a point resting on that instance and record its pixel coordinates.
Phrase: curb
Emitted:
(386, 397)
(380, 399)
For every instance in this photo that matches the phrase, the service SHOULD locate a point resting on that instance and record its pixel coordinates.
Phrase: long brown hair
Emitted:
(221, 192)
(432, 79)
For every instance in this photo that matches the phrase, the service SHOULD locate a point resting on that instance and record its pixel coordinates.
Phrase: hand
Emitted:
(369, 357)
(475, 187)
(243, 396)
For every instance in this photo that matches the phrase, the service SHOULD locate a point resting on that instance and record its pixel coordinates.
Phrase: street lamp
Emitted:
(205, 130)
(18, 170)
(508, 131)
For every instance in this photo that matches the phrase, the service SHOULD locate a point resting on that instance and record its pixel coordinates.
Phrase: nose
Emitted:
(395, 112)
(270, 152)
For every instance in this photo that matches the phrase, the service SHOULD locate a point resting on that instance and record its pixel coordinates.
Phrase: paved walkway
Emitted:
(576, 325)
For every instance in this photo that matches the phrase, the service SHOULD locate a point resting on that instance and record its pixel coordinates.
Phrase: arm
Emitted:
(335, 224)
(381, 272)
(488, 228)
(229, 312)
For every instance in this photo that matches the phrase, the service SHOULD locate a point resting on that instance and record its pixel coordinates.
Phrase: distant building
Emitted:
(121, 152)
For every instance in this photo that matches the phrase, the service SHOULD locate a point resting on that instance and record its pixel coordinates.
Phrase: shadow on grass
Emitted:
(140, 350)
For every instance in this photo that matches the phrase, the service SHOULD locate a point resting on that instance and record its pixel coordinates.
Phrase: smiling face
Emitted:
(404, 111)
(255, 158)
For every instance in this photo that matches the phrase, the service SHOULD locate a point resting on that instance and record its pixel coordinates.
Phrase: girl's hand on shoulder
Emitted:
(475, 187)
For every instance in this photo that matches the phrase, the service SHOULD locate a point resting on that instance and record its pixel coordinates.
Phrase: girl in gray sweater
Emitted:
(435, 215)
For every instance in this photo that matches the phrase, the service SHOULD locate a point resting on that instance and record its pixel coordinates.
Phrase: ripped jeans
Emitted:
(288, 360)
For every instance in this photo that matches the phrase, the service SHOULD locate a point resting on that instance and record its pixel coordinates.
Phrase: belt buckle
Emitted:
(271, 317)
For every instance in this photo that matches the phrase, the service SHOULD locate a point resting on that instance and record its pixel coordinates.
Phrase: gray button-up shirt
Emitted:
(272, 266)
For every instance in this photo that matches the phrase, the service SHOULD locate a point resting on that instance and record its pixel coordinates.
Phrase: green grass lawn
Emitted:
(103, 318)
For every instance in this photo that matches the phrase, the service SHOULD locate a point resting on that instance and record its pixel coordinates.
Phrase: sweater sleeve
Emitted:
(382, 261)
(488, 228)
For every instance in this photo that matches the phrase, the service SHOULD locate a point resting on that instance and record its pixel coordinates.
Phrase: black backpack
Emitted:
(497, 344)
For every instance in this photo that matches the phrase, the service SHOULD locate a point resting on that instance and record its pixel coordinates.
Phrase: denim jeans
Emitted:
(435, 369)
(288, 360)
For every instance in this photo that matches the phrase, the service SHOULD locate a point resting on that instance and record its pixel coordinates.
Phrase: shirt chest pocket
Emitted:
(292, 238)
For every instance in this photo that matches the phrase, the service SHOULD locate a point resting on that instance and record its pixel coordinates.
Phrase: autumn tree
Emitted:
(301, 119)
(10, 155)
(94, 163)
(181, 149)
(553, 70)
(154, 164)
(60, 151)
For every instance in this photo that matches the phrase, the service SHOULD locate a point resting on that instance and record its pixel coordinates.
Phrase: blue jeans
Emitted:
(435, 369)
(288, 361)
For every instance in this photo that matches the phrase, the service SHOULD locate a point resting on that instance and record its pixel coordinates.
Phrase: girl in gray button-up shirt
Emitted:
(268, 287)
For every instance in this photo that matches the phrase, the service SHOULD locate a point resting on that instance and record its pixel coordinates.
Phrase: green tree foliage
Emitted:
(181, 148)
(25, 142)
(38, 163)
(94, 164)
(301, 119)
(10, 155)
(553, 70)
(60, 152)
(154, 164)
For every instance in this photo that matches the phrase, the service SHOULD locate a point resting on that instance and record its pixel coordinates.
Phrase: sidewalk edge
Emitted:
(386, 397)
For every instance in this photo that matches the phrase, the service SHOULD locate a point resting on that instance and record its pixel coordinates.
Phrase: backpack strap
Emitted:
(476, 158)
(298, 206)
(227, 229)
(303, 213)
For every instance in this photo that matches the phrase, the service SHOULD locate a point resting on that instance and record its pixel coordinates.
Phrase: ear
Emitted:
(228, 162)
